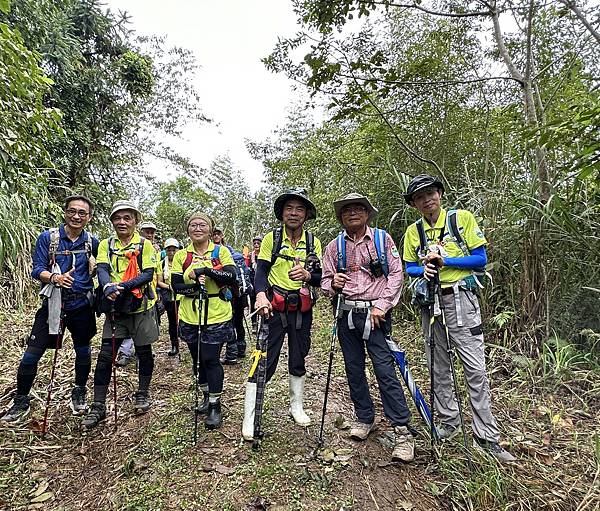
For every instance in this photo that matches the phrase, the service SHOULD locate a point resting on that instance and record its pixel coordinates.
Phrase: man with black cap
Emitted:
(64, 263)
(288, 262)
(451, 244)
(362, 269)
(126, 267)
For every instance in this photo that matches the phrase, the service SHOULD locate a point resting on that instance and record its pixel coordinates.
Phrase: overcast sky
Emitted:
(228, 37)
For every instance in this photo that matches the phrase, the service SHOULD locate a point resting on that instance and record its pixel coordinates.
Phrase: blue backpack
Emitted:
(379, 236)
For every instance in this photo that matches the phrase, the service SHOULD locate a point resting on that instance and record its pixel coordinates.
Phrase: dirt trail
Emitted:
(149, 462)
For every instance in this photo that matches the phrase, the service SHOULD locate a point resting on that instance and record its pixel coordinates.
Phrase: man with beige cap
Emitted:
(363, 269)
(126, 265)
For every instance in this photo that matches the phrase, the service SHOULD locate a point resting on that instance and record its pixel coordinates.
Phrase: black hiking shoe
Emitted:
(142, 401)
(78, 403)
(214, 419)
(95, 416)
(174, 351)
(493, 448)
(241, 355)
(203, 407)
(19, 410)
(229, 361)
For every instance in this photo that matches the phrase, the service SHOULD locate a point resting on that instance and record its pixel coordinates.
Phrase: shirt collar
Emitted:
(190, 248)
(287, 238)
(440, 223)
(367, 236)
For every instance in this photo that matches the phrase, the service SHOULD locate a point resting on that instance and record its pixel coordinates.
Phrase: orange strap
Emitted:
(132, 270)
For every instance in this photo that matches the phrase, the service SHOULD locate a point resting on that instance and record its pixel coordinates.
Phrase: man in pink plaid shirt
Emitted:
(368, 290)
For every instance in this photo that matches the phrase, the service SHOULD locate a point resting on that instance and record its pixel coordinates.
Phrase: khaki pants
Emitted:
(141, 327)
(468, 341)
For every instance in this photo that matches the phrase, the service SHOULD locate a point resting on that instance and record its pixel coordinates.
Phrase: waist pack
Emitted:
(126, 303)
(283, 300)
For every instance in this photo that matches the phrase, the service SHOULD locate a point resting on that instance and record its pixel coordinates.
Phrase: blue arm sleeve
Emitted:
(414, 269)
(477, 259)
(40, 255)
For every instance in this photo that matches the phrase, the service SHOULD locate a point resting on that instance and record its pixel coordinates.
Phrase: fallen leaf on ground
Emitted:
(43, 486)
(223, 469)
(43, 497)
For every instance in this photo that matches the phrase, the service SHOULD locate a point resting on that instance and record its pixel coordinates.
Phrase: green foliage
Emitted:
(25, 164)
(409, 92)
(170, 205)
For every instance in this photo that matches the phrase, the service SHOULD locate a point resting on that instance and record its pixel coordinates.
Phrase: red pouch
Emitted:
(278, 300)
(306, 299)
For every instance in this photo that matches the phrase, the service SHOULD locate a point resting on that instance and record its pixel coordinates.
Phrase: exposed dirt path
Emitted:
(149, 462)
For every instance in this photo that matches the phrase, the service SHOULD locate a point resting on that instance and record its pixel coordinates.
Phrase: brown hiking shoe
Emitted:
(360, 430)
(404, 446)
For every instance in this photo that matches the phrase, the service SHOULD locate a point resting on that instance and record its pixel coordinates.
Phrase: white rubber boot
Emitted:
(249, 407)
(296, 394)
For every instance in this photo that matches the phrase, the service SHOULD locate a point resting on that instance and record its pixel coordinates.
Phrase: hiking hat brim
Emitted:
(311, 209)
(123, 205)
(420, 183)
(354, 198)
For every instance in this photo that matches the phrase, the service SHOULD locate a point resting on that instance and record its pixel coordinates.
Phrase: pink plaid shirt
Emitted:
(362, 285)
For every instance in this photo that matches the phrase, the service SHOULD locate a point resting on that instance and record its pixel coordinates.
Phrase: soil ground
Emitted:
(150, 463)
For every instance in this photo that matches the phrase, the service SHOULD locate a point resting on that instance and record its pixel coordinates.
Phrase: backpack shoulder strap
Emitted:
(380, 248)
(188, 260)
(310, 243)
(54, 241)
(88, 244)
(340, 242)
(277, 241)
(141, 249)
(422, 237)
(454, 231)
(215, 252)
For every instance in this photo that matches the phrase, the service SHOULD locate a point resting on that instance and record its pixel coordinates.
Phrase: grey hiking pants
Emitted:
(468, 341)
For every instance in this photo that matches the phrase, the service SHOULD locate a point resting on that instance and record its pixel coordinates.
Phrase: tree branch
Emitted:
(577, 11)
(429, 11)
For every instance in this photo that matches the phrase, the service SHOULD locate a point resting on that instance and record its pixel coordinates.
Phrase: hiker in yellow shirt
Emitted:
(202, 274)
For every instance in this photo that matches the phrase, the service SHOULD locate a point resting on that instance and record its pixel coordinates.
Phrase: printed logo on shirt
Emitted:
(395, 253)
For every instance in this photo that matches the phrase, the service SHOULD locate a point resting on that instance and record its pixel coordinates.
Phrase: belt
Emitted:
(358, 306)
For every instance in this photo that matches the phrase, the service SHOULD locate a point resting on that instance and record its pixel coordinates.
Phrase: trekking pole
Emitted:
(432, 284)
(261, 361)
(113, 328)
(338, 301)
(175, 305)
(201, 303)
(420, 403)
(450, 351)
(53, 370)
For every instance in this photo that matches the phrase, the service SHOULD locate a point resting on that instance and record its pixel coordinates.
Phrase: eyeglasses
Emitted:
(198, 227)
(348, 210)
(81, 212)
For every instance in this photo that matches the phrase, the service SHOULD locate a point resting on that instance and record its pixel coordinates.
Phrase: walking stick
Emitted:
(450, 351)
(176, 306)
(113, 328)
(59, 337)
(432, 290)
(338, 301)
(202, 302)
(260, 364)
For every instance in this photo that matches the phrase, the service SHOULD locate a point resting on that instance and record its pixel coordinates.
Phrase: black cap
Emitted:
(419, 183)
(295, 193)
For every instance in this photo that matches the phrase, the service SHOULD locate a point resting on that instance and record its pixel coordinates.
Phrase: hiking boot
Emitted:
(446, 432)
(493, 448)
(404, 445)
(95, 416)
(19, 410)
(214, 419)
(174, 351)
(123, 359)
(202, 408)
(241, 355)
(142, 402)
(360, 430)
(78, 404)
(229, 361)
